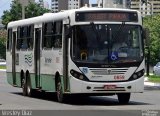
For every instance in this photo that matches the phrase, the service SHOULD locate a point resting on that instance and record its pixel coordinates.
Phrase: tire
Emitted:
(123, 98)
(59, 91)
(29, 87)
(24, 86)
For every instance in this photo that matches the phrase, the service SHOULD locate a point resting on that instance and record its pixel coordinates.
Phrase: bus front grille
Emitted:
(112, 71)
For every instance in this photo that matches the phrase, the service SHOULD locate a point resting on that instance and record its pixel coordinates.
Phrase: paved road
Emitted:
(11, 98)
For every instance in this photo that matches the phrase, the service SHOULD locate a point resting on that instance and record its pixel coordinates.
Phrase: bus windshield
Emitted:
(102, 43)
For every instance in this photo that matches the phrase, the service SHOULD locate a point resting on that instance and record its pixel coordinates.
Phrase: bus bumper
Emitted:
(79, 86)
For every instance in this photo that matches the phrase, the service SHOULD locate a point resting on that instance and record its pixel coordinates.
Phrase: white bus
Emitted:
(72, 52)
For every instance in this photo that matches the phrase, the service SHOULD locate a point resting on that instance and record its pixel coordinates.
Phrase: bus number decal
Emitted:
(48, 60)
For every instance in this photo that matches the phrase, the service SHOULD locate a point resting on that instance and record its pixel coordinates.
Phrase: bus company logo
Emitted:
(109, 71)
(28, 59)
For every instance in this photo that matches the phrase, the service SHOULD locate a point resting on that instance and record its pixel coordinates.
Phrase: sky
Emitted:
(5, 4)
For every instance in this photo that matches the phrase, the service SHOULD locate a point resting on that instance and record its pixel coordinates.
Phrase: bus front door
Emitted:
(14, 58)
(37, 56)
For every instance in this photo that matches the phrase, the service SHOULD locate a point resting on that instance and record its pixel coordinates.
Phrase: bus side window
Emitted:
(58, 34)
(47, 35)
(19, 40)
(9, 40)
(25, 37)
(30, 33)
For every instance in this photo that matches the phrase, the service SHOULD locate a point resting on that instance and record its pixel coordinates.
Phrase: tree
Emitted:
(33, 10)
(15, 13)
(3, 35)
(153, 24)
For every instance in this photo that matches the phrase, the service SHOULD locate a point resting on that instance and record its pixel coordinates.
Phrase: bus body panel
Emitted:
(51, 61)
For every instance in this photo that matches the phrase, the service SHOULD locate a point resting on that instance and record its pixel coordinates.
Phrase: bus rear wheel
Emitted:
(123, 98)
(59, 91)
(24, 86)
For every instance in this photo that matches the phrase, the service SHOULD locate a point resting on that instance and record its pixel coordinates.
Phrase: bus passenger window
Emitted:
(9, 40)
(25, 37)
(58, 34)
(48, 35)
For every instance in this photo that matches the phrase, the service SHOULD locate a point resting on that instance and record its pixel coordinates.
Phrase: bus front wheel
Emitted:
(59, 90)
(28, 86)
(123, 98)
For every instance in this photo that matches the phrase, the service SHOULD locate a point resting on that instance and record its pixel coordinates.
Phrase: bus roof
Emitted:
(48, 17)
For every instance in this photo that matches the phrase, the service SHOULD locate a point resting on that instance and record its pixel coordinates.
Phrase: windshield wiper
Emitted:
(95, 30)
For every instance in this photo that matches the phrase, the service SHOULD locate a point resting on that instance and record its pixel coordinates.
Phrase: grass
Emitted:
(2, 67)
(154, 78)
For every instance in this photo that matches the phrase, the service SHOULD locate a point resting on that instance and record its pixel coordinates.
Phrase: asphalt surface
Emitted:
(11, 98)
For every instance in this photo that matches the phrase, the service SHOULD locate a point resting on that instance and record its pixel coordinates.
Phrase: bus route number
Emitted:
(119, 77)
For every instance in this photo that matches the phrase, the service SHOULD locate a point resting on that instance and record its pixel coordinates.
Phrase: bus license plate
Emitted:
(109, 87)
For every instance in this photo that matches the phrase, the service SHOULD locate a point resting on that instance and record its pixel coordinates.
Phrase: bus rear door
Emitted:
(37, 56)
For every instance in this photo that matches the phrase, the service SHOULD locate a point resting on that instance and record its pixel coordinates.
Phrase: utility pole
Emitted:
(23, 11)
(147, 37)
(24, 3)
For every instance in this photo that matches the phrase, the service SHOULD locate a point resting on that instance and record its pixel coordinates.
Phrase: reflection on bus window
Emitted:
(25, 37)
(107, 43)
(52, 35)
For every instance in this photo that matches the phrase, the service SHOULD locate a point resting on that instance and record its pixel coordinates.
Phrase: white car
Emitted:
(156, 69)
(2, 62)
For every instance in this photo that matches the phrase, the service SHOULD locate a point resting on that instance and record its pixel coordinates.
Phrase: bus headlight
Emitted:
(79, 75)
(137, 75)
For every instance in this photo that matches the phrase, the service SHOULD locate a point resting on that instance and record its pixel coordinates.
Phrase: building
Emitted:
(58, 5)
(41, 3)
(151, 6)
(25, 2)
(114, 3)
(44, 4)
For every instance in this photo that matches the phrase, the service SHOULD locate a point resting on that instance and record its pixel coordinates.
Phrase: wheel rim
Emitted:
(28, 90)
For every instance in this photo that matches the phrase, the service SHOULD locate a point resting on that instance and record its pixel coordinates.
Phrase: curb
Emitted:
(3, 70)
(152, 84)
(147, 83)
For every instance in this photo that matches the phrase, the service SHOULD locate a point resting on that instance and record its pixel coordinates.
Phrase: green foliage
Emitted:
(2, 67)
(33, 10)
(3, 36)
(153, 24)
(154, 78)
(15, 13)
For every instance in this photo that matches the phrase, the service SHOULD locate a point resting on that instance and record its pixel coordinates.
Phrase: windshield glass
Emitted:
(102, 43)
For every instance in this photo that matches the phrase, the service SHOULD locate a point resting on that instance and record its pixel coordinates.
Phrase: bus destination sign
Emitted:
(107, 16)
